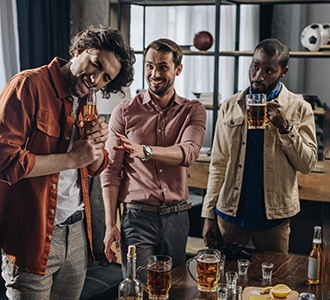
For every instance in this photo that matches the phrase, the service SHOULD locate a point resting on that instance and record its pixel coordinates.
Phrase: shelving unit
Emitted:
(216, 54)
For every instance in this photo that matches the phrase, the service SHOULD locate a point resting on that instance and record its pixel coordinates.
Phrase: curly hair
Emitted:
(101, 37)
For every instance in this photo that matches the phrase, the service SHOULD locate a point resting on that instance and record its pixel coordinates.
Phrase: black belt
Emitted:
(76, 217)
(162, 209)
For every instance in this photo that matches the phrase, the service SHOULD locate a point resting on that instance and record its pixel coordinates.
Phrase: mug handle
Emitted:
(188, 268)
(140, 268)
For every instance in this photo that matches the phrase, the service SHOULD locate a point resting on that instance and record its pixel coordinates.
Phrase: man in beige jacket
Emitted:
(252, 188)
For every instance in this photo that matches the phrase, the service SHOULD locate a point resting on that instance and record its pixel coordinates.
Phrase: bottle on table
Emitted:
(130, 288)
(89, 111)
(315, 260)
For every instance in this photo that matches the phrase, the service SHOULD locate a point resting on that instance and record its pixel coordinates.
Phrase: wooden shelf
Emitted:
(306, 54)
(279, 1)
(174, 2)
(302, 54)
(187, 52)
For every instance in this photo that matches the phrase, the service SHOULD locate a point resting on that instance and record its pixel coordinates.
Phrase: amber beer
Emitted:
(208, 272)
(159, 280)
(90, 111)
(207, 269)
(256, 111)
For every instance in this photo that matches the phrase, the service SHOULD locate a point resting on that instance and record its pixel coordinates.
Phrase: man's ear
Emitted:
(178, 70)
(284, 71)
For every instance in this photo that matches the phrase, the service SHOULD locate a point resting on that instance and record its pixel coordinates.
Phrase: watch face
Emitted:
(148, 152)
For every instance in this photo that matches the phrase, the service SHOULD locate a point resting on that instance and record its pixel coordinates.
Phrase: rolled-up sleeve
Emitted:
(193, 135)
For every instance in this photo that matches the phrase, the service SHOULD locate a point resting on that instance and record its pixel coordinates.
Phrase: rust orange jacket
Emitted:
(36, 118)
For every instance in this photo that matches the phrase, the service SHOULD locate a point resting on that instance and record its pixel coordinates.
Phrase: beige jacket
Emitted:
(284, 154)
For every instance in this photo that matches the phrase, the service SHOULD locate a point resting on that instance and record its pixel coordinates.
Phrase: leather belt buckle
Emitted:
(161, 210)
(74, 218)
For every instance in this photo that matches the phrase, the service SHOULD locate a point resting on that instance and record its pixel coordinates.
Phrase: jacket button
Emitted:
(52, 211)
(53, 186)
(49, 237)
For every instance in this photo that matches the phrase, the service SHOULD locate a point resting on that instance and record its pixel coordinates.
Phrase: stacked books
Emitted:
(206, 98)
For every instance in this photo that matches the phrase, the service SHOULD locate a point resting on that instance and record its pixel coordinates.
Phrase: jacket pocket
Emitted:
(45, 135)
(48, 125)
(233, 121)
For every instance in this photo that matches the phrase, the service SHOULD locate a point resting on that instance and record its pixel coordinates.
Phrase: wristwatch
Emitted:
(288, 129)
(147, 151)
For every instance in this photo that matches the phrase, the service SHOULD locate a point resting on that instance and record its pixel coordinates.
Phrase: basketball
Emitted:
(203, 40)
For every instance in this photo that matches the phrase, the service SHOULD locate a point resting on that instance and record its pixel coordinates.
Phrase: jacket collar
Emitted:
(61, 87)
(282, 97)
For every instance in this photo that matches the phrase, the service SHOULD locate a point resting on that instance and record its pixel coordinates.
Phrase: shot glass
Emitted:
(242, 266)
(231, 279)
(267, 270)
(222, 291)
(235, 293)
(222, 262)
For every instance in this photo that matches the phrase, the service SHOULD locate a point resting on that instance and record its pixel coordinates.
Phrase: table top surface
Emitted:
(288, 269)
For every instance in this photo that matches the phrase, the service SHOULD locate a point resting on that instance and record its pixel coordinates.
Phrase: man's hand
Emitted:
(209, 233)
(99, 132)
(111, 235)
(276, 115)
(135, 150)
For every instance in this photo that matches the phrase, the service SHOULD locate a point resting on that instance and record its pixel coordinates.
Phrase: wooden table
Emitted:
(288, 269)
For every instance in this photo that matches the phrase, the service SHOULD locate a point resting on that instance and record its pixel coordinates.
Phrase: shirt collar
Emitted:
(273, 94)
(177, 99)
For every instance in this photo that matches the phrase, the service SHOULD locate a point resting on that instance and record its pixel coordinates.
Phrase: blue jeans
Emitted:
(154, 234)
(65, 272)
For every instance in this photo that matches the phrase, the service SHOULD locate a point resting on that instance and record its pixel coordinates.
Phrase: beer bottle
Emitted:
(89, 111)
(315, 258)
(130, 288)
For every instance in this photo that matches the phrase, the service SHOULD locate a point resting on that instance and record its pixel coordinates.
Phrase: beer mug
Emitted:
(207, 269)
(256, 111)
(159, 276)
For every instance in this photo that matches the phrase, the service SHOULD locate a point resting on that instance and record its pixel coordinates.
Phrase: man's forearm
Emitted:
(110, 198)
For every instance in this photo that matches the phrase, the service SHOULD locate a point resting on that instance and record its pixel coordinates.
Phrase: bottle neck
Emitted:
(316, 245)
(131, 268)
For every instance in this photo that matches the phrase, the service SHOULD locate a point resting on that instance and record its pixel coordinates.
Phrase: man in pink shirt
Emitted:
(157, 136)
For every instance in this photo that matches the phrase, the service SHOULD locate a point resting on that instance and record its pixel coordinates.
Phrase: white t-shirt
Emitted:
(69, 198)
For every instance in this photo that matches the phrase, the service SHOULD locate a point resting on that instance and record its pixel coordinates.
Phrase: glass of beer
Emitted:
(207, 269)
(256, 111)
(159, 277)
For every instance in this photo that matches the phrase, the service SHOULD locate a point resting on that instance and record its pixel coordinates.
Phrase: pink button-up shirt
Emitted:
(182, 123)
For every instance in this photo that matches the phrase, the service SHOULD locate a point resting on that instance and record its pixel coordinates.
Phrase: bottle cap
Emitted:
(131, 251)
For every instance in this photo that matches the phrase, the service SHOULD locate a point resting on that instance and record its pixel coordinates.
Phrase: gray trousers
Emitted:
(65, 273)
(154, 234)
